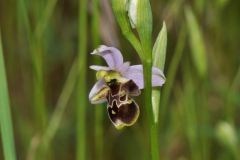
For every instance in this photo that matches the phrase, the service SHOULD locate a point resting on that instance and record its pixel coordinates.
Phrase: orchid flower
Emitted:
(118, 80)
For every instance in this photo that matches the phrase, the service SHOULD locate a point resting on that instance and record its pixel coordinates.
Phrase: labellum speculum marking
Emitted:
(122, 109)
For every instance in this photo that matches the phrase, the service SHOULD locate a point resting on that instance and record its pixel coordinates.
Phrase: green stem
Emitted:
(39, 97)
(154, 141)
(37, 61)
(37, 55)
(5, 112)
(230, 108)
(95, 23)
(153, 128)
(190, 113)
(98, 134)
(43, 21)
(81, 86)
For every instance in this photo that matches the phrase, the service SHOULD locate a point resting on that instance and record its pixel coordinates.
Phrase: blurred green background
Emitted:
(200, 102)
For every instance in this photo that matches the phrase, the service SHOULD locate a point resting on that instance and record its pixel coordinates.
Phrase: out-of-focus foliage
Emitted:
(40, 44)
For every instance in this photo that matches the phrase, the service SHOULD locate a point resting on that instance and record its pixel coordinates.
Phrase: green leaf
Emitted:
(144, 27)
(159, 48)
(81, 88)
(119, 8)
(159, 54)
(196, 43)
(5, 113)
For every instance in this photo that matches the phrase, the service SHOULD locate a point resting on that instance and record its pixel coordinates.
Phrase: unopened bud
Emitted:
(226, 134)
(132, 12)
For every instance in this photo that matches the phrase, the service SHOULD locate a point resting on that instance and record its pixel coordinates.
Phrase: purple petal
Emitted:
(112, 56)
(157, 80)
(97, 68)
(124, 67)
(135, 73)
(98, 86)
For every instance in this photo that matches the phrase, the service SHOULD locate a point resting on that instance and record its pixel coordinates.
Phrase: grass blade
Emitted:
(98, 135)
(36, 50)
(171, 73)
(196, 43)
(62, 102)
(5, 112)
(81, 86)
(47, 13)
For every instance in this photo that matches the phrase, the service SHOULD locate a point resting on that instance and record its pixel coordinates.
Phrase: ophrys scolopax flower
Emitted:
(118, 83)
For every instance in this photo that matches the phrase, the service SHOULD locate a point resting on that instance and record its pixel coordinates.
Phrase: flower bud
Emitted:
(132, 12)
(226, 134)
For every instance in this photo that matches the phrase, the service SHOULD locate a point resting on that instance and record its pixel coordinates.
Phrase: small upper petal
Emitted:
(157, 80)
(135, 73)
(112, 56)
(98, 68)
(139, 68)
(98, 86)
(123, 68)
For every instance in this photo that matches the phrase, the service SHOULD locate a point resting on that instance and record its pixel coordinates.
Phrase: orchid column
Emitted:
(137, 14)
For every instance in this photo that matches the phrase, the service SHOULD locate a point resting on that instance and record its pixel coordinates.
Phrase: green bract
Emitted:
(159, 54)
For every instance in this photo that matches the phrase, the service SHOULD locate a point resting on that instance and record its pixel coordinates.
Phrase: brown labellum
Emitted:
(122, 109)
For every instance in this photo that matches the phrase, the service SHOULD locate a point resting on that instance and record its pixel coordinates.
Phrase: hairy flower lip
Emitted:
(114, 60)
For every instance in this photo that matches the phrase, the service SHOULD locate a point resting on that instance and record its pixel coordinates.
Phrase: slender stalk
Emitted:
(81, 86)
(154, 141)
(35, 46)
(45, 140)
(38, 84)
(190, 113)
(144, 29)
(147, 69)
(98, 134)
(60, 107)
(145, 34)
(35, 41)
(172, 73)
(153, 128)
(5, 112)
(37, 56)
(204, 118)
(95, 23)
(47, 13)
(230, 108)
